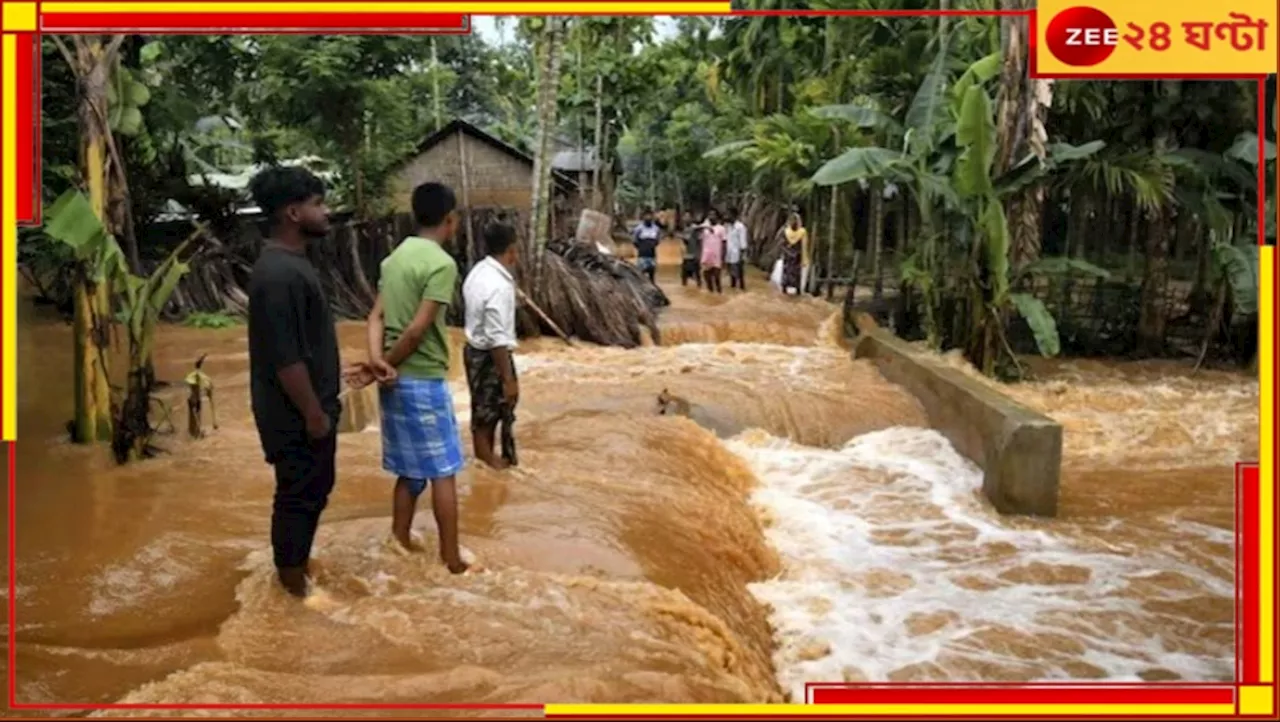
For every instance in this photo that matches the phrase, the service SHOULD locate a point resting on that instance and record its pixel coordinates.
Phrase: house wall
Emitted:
(494, 178)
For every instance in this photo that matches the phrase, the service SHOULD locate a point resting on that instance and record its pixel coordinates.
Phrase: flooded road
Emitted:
(800, 525)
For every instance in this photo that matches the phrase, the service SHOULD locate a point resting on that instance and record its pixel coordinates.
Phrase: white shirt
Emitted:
(737, 242)
(489, 300)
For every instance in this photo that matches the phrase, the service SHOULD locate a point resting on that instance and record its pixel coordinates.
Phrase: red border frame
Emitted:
(1247, 474)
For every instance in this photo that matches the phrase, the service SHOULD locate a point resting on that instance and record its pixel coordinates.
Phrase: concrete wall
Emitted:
(1019, 450)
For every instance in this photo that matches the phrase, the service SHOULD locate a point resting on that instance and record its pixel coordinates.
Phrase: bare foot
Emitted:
(402, 546)
(411, 545)
(458, 567)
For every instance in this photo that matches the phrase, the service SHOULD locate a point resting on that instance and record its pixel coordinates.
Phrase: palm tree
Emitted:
(549, 44)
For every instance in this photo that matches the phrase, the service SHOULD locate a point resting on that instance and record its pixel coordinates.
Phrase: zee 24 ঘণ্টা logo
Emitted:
(1086, 36)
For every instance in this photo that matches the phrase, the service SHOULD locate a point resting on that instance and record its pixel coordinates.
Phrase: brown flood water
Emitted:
(804, 528)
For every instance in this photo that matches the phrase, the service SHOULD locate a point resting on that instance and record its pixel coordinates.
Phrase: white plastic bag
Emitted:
(776, 276)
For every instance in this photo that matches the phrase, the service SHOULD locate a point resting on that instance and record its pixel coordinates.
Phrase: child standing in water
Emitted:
(420, 440)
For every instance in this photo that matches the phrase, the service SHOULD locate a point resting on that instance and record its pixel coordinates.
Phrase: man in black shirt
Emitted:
(293, 365)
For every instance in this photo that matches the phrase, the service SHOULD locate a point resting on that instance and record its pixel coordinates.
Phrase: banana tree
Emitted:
(919, 167)
(1237, 291)
(949, 129)
(983, 200)
(72, 221)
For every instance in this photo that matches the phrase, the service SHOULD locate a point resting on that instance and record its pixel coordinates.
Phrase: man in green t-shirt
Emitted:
(407, 331)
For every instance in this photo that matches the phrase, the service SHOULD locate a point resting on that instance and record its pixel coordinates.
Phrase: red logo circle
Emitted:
(1081, 36)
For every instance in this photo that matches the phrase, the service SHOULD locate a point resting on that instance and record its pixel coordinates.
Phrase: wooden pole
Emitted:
(543, 315)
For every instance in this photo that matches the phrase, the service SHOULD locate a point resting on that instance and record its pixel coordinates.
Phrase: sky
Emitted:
(487, 28)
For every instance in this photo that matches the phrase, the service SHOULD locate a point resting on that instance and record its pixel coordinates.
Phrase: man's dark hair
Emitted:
(275, 188)
(733, 214)
(432, 202)
(498, 237)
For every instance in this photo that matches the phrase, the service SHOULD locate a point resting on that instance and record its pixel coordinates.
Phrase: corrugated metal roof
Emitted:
(572, 161)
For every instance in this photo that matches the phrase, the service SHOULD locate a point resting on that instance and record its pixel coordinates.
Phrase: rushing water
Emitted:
(800, 525)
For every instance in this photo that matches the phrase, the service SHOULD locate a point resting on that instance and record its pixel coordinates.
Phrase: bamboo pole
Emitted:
(543, 315)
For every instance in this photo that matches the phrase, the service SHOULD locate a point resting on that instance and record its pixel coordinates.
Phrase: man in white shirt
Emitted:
(735, 252)
(489, 302)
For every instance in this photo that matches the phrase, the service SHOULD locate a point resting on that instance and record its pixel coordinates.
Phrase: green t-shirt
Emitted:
(418, 270)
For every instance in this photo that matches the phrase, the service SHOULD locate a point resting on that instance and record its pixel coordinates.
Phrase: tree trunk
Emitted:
(438, 112)
(1155, 281)
(1204, 248)
(92, 300)
(599, 143)
(548, 81)
(582, 124)
(1131, 259)
(875, 231)
(1022, 108)
(831, 241)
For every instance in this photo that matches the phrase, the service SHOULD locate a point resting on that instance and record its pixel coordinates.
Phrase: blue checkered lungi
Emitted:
(420, 439)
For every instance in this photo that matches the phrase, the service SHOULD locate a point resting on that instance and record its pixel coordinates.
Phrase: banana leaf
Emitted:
(1043, 326)
(976, 134)
(857, 164)
(1239, 265)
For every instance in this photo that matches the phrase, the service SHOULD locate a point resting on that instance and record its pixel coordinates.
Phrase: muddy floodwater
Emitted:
(800, 525)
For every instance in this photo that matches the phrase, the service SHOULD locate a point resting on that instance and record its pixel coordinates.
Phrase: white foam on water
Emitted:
(895, 568)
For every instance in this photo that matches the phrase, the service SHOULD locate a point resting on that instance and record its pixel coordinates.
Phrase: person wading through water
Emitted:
(689, 266)
(713, 246)
(646, 237)
(407, 331)
(489, 298)
(294, 373)
(795, 253)
(735, 252)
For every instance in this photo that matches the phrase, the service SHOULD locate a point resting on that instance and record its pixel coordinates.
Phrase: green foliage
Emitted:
(1043, 327)
(740, 110)
(1239, 267)
(72, 222)
(858, 164)
(204, 320)
(930, 109)
(126, 96)
(976, 134)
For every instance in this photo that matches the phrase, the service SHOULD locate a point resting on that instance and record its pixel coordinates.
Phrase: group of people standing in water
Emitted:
(712, 246)
(296, 376)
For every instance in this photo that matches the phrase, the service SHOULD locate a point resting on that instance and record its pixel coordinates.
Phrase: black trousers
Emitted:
(305, 473)
(737, 276)
(713, 280)
(689, 268)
